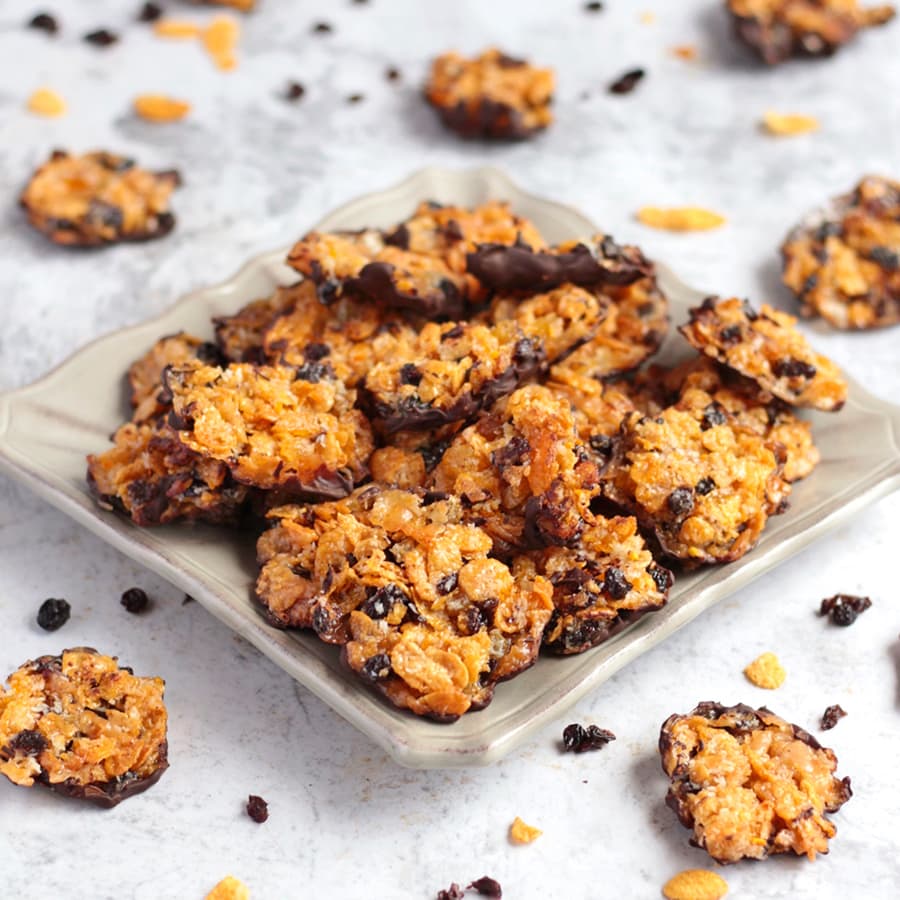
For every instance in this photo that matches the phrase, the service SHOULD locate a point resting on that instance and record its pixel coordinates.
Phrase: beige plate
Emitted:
(46, 430)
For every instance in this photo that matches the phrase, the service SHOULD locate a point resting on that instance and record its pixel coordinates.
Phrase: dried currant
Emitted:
(578, 739)
(53, 614)
(257, 809)
(831, 716)
(135, 600)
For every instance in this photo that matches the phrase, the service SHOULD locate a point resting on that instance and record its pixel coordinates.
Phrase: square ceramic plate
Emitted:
(47, 428)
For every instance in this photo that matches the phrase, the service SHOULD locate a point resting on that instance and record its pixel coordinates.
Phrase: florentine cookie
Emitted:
(706, 489)
(145, 374)
(240, 336)
(521, 472)
(780, 29)
(290, 429)
(605, 581)
(153, 478)
(520, 267)
(408, 586)
(766, 347)
(83, 726)
(450, 373)
(710, 392)
(490, 96)
(750, 784)
(98, 198)
(843, 263)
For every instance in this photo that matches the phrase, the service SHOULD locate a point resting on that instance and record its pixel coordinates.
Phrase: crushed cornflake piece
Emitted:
(685, 51)
(788, 124)
(220, 40)
(522, 833)
(229, 888)
(159, 108)
(695, 884)
(45, 102)
(766, 672)
(679, 218)
(176, 29)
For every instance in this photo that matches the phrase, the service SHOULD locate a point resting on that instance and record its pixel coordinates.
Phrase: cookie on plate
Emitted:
(749, 784)
(780, 29)
(843, 262)
(766, 347)
(492, 96)
(275, 427)
(149, 475)
(607, 580)
(98, 198)
(83, 726)
(705, 489)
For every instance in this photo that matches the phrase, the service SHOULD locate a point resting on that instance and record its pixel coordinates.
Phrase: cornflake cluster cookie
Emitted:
(766, 347)
(98, 198)
(749, 784)
(780, 29)
(452, 453)
(491, 96)
(83, 726)
(843, 262)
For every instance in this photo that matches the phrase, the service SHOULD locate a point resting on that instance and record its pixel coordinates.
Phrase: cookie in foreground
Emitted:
(749, 783)
(491, 96)
(98, 198)
(843, 262)
(779, 29)
(83, 726)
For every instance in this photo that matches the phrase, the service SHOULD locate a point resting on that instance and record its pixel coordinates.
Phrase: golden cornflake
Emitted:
(685, 51)
(522, 833)
(159, 108)
(766, 672)
(695, 884)
(788, 124)
(220, 40)
(176, 29)
(229, 888)
(45, 102)
(679, 218)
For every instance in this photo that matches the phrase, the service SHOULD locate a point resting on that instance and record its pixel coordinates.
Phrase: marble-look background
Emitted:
(345, 821)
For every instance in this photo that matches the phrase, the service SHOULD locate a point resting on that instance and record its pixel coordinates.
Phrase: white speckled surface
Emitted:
(345, 822)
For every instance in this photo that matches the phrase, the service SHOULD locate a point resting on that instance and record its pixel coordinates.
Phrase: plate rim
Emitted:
(432, 749)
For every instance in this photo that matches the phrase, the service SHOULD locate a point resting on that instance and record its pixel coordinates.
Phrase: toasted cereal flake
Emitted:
(679, 218)
(220, 40)
(229, 888)
(788, 124)
(45, 102)
(766, 672)
(685, 51)
(159, 108)
(695, 884)
(522, 833)
(176, 29)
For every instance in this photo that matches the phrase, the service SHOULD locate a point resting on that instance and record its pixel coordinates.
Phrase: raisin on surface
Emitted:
(626, 83)
(844, 608)
(44, 22)
(578, 739)
(135, 600)
(53, 614)
(257, 809)
(831, 716)
(150, 12)
(487, 887)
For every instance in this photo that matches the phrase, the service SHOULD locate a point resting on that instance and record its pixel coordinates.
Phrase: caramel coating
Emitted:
(490, 96)
(98, 198)
(408, 587)
(780, 29)
(521, 472)
(843, 262)
(750, 784)
(766, 347)
(282, 428)
(706, 490)
(149, 475)
(82, 726)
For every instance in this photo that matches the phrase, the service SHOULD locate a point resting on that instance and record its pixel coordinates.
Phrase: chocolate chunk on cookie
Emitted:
(766, 347)
(492, 96)
(98, 198)
(843, 262)
(779, 29)
(750, 784)
(81, 725)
